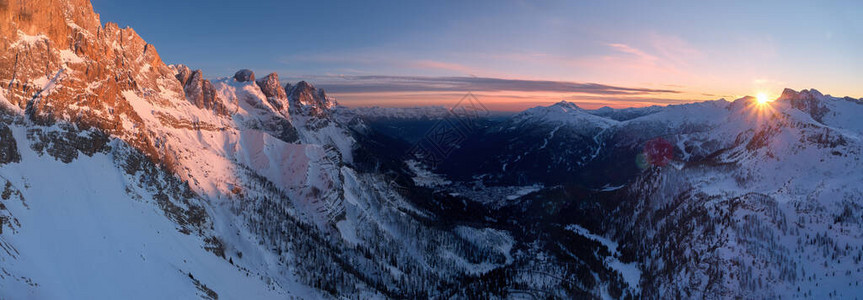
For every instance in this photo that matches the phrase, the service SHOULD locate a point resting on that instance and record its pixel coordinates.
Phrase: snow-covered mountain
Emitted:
(124, 177)
(775, 213)
(539, 145)
(712, 199)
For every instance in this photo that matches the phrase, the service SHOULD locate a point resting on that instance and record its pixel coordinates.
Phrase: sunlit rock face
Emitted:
(276, 95)
(304, 98)
(199, 91)
(64, 39)
(183, 73)
(59, 63)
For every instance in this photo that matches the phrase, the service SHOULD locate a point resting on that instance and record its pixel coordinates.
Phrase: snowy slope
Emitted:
(563, 113)
(779, 208)
(81, 227)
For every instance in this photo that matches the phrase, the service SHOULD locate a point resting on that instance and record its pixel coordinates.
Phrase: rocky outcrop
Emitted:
(56, 49)
(58, 62)
(808, 101)
(276, 96)
(183, 73)
(305, 99)
(8, 146)
(65, 142)
(172, 195)
(211, 100)
(194, 88)
(244, 75)
(199, 91)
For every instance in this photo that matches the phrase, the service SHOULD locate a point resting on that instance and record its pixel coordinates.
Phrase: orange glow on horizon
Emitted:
(511, 101)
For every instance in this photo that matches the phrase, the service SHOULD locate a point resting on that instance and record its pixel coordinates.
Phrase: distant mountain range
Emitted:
(124, 177)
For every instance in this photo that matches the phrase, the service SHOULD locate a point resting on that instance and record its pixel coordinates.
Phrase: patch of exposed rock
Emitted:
(65, 142)
(199, 91)
(305, 99)
(808, 101)
(8, 146)
(244, 75)
(276, 95)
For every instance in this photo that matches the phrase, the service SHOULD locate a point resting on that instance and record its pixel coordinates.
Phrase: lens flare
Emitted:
(762, 99)
(760, 109)
(657, 152)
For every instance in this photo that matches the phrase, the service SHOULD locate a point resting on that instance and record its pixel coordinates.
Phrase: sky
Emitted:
(514, 54)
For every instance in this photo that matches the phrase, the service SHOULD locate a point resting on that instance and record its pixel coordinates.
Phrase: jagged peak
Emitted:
(303, 86)
(268, 77)
(790, 94)
(197, 75)
(810, 101)
(276, 95)
(54, 18)
(305, 98)
(197, 90)
(812, 93)
(183, 73)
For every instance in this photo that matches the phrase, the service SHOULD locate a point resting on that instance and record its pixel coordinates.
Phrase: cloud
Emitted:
(376, 60)
(378, 84)
(674, 49)
(333, 58)
(631, 50)
(431, 64)
(503, 101)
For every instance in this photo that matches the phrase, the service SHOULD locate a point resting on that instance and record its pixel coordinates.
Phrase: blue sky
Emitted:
(403, 53)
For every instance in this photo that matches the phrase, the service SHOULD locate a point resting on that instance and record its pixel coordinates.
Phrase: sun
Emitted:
(760, 108)
(762, 99)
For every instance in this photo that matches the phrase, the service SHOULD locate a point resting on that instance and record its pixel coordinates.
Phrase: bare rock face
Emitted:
(58, 62)
(183, 73)
(198, 90)
(65, 142)
(43, 50)
(244, 75)
(211, 100)
(271, 87)
(194, 88)
(304, 98)
(8, 146)
(808, 101)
